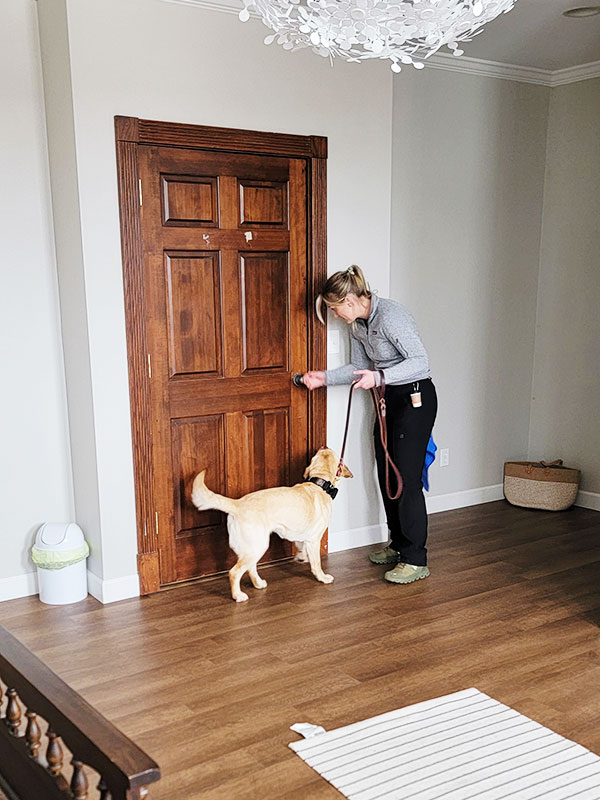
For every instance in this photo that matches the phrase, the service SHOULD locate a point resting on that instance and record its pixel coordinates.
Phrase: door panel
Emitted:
(267, 431)
(225, 260)
(263, 203)
(194, 331)
(265, 326)
(194, 440)
(189, 200)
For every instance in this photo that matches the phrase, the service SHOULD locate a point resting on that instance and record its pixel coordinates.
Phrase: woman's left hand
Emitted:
(367, 379)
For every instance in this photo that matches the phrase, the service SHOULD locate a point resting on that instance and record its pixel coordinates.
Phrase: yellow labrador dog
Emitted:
(298, 513)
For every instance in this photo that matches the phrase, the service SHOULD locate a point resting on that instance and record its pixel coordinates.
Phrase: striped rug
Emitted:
(463, 746)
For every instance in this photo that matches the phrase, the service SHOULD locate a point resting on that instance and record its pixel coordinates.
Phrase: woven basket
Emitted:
(541, 484)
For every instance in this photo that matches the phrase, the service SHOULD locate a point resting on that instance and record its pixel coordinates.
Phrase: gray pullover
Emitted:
(387, 341)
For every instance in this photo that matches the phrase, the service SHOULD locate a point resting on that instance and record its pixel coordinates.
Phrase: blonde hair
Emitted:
(339, 286)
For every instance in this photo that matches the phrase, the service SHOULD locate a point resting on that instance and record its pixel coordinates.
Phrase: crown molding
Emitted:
(583, 72)
(225, 6)
(465, 64)
(490, 69)
(513, 72)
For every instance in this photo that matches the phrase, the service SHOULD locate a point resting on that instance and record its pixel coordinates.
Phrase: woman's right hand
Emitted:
(313, 379)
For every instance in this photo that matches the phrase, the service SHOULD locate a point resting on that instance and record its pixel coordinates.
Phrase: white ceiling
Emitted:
(535, 34)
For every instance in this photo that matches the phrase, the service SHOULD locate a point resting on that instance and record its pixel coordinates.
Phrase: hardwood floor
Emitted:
(209, 687)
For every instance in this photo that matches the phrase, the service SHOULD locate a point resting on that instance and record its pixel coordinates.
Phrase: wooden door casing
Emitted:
(225, 234)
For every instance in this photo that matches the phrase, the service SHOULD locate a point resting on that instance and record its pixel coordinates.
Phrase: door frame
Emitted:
(131, 132)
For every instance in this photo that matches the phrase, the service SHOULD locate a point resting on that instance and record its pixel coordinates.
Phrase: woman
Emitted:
(385, 345)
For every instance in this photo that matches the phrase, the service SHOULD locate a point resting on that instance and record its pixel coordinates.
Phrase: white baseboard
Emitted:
(470, 497)
(105, 591)
(356, 537)
(18, 586)
(374, 534)
(588, 500)
(114, 589)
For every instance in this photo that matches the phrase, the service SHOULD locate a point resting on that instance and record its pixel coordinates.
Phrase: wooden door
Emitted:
(225, 253)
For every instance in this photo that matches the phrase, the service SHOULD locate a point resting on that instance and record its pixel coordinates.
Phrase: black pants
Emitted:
(408, 432)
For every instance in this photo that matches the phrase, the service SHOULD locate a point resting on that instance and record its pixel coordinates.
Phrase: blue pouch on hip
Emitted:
(429, 459)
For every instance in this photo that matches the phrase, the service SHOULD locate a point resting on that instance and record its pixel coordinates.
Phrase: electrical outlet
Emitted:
(333, 342)
(444, 456)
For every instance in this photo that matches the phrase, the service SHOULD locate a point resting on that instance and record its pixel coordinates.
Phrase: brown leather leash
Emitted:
(378, 395)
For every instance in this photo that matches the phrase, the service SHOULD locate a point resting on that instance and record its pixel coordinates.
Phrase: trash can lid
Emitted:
(59, 536)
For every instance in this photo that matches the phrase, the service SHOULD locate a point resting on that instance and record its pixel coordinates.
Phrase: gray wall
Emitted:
(468, 175)
(66, 214)
(565, 408)
(35, 468)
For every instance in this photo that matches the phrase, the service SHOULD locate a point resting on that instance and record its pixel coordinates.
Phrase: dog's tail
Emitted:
(203, 498)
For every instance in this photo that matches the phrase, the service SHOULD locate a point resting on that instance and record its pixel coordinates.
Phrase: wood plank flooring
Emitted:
(209, 687)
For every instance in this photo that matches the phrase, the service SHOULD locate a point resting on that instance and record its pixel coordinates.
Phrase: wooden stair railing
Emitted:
(30, 769)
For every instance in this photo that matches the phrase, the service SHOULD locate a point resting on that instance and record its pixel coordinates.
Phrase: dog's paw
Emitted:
(327, 578)
(260, 584)
(241, 597)
(301, 554)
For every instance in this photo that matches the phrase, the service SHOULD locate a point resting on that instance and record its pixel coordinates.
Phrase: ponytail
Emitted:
(339, 286)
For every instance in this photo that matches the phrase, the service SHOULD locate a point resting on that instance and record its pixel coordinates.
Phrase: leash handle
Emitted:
(378, 395)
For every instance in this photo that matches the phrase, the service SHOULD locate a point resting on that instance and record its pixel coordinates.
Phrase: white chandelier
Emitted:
(403, 31)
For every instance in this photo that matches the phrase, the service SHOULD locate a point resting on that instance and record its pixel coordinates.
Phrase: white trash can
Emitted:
(59, 553)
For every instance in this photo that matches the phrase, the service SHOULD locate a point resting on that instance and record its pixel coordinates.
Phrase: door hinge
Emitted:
(149, 366)
(156, 518)
(140, 188)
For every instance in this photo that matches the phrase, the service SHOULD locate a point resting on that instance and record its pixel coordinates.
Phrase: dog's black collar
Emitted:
(327, 486)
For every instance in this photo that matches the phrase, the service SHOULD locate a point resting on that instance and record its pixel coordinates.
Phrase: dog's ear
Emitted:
(346, 472)
(306, 473)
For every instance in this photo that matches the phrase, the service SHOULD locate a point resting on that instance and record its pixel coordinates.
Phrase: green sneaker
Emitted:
(406, 573)
(386, 556)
